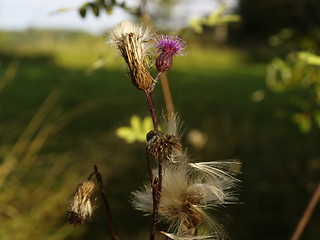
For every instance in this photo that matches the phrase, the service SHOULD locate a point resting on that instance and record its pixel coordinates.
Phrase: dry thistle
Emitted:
(160, 143)
(80, 210)
(187, 193)
(133, 43)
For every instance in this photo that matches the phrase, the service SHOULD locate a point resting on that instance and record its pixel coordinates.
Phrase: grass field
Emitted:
(58, 117)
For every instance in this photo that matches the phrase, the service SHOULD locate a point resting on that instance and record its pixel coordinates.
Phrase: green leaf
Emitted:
(136, 131)
(108, 9)
(126, 134)
(83, 10)
(196, 24)
(309, 58)
(304, 122)
(95, 9)
(316, 115)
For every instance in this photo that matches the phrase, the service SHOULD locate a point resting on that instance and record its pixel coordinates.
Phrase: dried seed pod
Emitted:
(80, 210)
(133, 44)
(160, 143)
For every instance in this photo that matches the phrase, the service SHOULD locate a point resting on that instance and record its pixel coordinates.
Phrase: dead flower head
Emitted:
(80, 210)
(160, 143)
(188, 192)
(133, 42)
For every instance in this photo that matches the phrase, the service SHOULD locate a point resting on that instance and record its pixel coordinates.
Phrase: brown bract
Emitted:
(160, 143)
(133, 43)
(140, 76)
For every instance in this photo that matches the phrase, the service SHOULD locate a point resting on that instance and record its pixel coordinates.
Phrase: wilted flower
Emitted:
(160, 143)
(133, 43)
(169, 46)
(80, 210)
(187, 193)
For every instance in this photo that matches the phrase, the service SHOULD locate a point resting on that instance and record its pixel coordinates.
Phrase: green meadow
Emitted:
(64, 94)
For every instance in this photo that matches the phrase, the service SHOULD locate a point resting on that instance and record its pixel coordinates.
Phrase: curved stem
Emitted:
(106, 204)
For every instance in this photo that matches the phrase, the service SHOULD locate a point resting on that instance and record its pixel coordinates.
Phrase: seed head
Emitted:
(160, 143)
(80, 210)
(133, 43)
(187, 193)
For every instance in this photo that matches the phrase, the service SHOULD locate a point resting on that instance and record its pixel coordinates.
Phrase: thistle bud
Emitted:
(164, 62)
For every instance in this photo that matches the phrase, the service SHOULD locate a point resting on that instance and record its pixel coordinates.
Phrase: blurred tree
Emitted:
(265, 17)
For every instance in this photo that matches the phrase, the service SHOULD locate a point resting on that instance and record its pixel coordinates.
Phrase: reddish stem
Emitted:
(154, 199)
(152, 109)
(106, 204)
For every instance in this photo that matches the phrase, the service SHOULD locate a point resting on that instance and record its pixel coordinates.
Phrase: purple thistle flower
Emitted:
(169, 46)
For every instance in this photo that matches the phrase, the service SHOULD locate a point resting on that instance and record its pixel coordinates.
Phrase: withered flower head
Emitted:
(188, 191)
(80, 210)
(160, 143)
(133, 43)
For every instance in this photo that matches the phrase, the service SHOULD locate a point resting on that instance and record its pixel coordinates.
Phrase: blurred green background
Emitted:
(242, 88)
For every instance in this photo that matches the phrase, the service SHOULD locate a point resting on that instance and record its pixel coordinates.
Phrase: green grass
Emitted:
(211, 90)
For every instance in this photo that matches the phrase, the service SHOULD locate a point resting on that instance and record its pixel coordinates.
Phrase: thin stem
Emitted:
(106, 204)
(152, 109)
(154, 199)
(164, 80)
(307, 214)
(167, 95)
(149, 167)
(155, 81)
(160, 179)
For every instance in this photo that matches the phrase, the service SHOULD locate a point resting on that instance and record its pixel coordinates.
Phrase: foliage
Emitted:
(97, 5)
(218, 17)
(298, 80)
(263, 18)
(137, 130)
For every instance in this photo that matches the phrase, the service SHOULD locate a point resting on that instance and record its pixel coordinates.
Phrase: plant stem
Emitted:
(167, 95)
(152, 109)
(160, 180)
(163, 76)
(154, 199)
(106, 204)
(307, 214)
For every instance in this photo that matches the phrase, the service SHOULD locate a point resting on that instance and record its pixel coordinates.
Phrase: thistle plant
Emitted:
(178, 192)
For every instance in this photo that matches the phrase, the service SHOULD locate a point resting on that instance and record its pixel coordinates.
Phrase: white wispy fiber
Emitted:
(188, 192)
(172, 124)
(142, 38)
(175, 237)
(133, 43)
